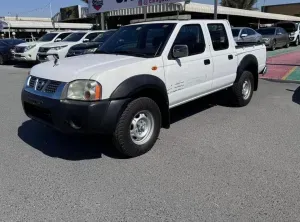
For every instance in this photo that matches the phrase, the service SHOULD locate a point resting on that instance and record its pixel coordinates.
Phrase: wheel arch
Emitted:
(145, 85)
(248, 63)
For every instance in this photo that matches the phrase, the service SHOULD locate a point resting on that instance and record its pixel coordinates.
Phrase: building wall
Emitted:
(288, 9)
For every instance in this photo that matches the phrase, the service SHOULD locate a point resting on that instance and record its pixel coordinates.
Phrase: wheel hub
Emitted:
(142, 127)
(246, 91)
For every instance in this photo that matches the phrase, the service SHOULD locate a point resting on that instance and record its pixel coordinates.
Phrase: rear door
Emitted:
(223, 54)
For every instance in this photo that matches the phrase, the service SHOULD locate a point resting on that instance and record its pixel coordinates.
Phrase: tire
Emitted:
(273, 47)
(287, 45)
(297, 41)
(242, 98)
(141, 112)
(1, 60)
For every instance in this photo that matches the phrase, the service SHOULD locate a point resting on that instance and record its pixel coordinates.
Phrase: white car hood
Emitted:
(82, 67)
(57, 44)
(25, 44)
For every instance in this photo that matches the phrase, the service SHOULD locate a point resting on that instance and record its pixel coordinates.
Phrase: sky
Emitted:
(40, 8)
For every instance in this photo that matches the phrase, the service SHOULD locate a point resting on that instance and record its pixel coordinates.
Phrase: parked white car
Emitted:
(28, 51)
(127, 88)
(60, 49)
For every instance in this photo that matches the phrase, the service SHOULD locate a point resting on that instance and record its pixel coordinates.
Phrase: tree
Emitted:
(241, 4)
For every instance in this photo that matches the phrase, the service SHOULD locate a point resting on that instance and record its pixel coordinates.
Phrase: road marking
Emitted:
(289, 73)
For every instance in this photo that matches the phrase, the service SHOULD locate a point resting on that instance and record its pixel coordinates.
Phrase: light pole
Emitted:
(216, 9)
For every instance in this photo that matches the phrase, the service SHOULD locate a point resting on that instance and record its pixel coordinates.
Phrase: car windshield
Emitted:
(289, 27)
(103, 36)
(144, 40)
(235, 32)
(48, 37)
(74, 37)
(266, 31)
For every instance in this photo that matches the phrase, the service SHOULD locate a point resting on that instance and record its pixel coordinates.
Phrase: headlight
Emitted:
(85, 90)
(29, 47)
(59, 47)
(266, 39)
(292, 33)
(90, 50)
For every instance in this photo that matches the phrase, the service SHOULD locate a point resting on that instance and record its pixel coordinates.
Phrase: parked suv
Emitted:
(28, 51)
(59, 50)
(90, 47)
(7, 49)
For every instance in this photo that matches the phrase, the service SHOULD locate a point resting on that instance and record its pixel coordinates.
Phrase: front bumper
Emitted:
(24, 57)
(69, 116)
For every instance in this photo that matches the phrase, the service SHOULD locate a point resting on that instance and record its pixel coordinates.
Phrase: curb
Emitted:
(281, 80)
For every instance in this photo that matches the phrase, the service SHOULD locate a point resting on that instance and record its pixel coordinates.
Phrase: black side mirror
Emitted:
(180, 51)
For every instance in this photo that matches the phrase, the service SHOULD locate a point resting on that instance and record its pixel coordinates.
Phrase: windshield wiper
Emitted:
(138, 54)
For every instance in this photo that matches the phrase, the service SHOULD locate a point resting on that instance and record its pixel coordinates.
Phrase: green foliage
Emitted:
(241, 4)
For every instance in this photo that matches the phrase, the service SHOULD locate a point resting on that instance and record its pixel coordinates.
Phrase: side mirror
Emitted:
(58, 40)
(86, 40)
(180, 51)
(244, 35)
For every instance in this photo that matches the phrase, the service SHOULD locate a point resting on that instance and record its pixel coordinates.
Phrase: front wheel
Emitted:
(287, 45)
(138, 127)
(273, 48)
(243, 89)
(297, 41)
(1, 60)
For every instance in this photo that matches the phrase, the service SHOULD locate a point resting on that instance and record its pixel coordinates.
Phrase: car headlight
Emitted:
(292, 33)
(59, 47)
(29, 47)
(266, 39)
(90, 50)
(85, 90)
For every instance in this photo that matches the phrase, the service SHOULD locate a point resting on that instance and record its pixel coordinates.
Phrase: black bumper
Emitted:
(74, 116)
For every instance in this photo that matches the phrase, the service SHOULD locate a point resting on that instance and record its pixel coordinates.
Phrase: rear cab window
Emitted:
(218, 36)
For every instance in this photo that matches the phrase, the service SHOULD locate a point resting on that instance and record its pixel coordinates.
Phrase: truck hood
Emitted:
(82, 67)
(57, 44)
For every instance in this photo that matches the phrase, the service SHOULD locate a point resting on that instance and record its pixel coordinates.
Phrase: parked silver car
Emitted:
(275, 37)
(244, 34)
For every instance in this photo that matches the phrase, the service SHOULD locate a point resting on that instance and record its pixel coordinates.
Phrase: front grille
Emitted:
(43, 85)
(20, 49)
(52, 86)
(38, 112)
(44, 50)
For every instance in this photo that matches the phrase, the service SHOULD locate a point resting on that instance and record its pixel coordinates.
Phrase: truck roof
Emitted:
(181, 21)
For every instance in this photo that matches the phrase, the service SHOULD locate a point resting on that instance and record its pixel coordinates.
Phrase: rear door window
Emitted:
(218, 36)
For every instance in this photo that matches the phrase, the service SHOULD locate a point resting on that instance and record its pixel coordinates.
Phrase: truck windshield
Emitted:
(103, 36)
(235, 32)
(289, 27)
(143, 40)
(266, 31)
(48, 37)
(74, 37)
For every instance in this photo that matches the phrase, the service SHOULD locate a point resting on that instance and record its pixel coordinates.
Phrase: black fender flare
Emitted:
(145, 85)
(248, 63)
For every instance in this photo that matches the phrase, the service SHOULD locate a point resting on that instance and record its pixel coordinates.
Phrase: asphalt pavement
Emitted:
(216, 163)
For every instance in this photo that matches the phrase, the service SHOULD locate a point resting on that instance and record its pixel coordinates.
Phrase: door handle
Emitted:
(230, 57)
(206, 62)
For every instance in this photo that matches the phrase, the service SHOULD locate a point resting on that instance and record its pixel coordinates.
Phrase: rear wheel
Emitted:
(138, 127)
(243, 89)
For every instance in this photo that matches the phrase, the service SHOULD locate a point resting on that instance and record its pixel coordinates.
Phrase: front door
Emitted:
(189, 77)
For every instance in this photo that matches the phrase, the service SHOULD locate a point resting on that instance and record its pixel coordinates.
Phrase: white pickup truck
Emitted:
(127, 88)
